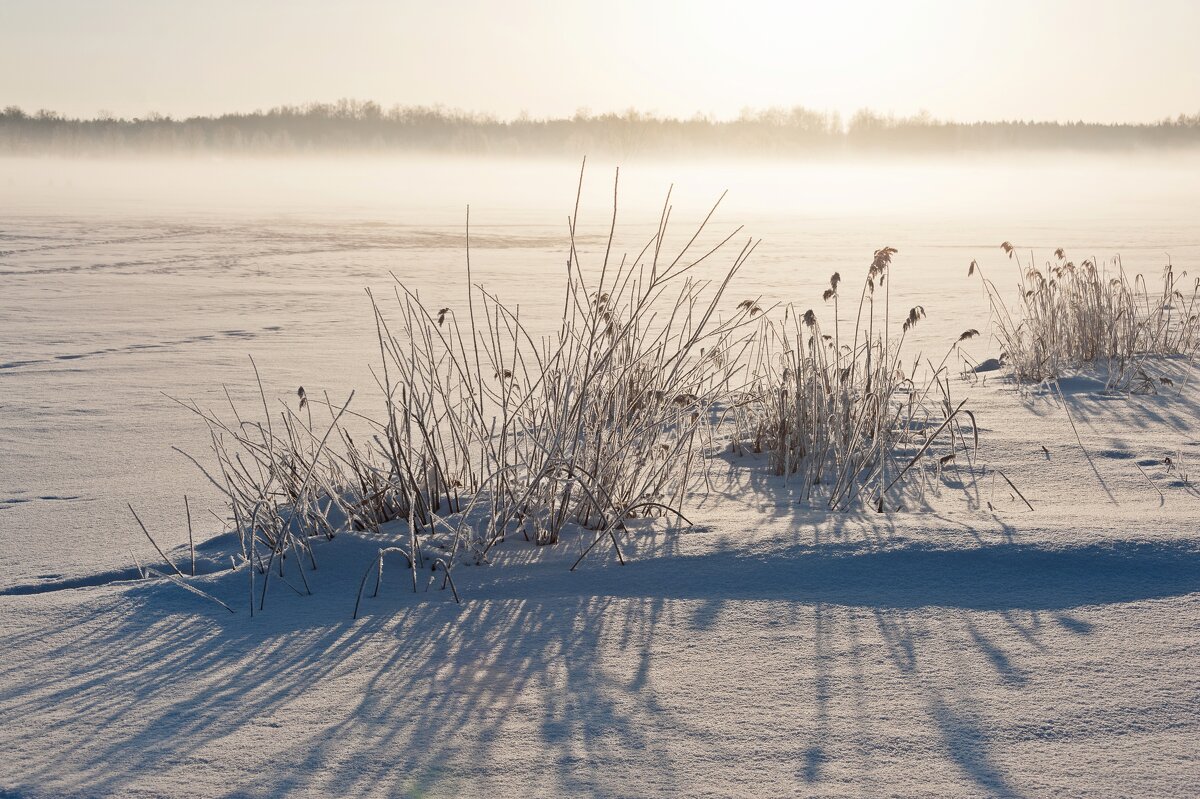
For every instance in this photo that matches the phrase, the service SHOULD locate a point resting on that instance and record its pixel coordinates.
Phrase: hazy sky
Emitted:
(1100, 60)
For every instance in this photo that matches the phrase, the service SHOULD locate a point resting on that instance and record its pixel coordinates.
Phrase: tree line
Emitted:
(351, 126)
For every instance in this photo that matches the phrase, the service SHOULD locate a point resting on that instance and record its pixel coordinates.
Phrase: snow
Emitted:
(772, 649)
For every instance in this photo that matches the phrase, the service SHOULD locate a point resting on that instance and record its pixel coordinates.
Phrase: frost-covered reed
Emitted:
(844, 415)
(598, 423)
(489, 430)
(1070, 315)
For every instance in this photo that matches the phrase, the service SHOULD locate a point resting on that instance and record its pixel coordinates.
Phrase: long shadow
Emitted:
(994, 578)
(428, 697)
(1169, 406)
(443, 683)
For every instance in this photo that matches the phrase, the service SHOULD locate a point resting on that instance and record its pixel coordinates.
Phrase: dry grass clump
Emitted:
(489, 430)
(283, 483)
(602, 422)
(1069, 315)
(847, 417)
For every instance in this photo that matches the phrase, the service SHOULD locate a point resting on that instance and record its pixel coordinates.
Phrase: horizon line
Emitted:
(355, 108)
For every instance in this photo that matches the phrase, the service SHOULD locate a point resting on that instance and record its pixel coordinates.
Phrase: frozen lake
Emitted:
(121, 282)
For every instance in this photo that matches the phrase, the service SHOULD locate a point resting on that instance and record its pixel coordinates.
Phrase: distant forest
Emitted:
(351, 126)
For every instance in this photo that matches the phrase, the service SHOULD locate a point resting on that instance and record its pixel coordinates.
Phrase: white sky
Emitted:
(1103, 60)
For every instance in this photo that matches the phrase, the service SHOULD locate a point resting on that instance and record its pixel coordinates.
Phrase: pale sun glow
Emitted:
(1062, 60)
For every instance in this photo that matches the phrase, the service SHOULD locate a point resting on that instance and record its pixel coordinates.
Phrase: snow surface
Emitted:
(770, 650)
